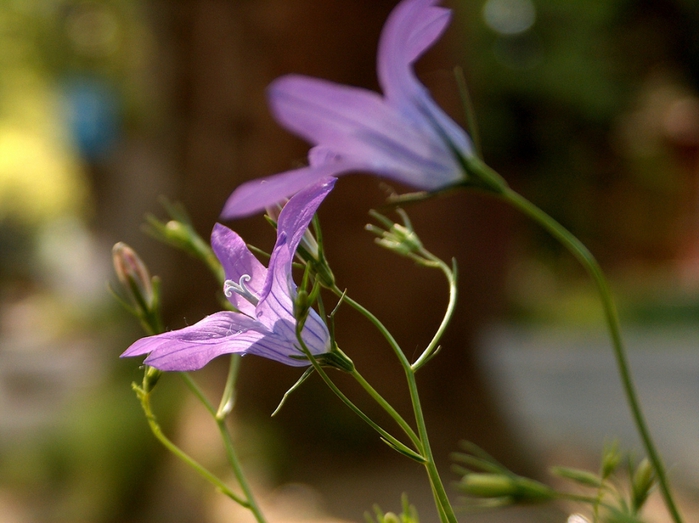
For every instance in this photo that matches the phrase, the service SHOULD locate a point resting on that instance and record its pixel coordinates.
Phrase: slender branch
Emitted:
(144, 397)
(453, 292)
(588, 261)
(388, 408)
(234, 462)
(444, 506)
(379, 326)
(446, 512)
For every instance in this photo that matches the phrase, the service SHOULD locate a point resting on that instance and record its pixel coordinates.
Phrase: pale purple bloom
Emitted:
(265, 325)
(402, 135)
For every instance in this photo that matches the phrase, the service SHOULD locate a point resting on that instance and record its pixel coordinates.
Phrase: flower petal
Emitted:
(225, 332)
(193, 347)
(412, 27)
(256, 195)
(280, 289)
(237, 260)
(364, 131)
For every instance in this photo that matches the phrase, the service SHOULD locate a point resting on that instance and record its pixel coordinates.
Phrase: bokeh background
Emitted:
(590, 108)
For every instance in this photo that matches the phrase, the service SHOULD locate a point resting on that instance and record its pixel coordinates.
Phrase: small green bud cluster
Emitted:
(408, 514)
(179, 232)
(140, 292)
(399, 238)
(618, 506)
(487, 483)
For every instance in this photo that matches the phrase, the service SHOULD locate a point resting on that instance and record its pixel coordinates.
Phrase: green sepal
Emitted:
(582, 477)
(404, 450)
(295, 386)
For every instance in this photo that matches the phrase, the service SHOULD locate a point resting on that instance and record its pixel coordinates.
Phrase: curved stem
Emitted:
(220, 418)
(444, 506)
(453, 292)
(144, 397)
(588, 261)
(446, 512)
(388, 408)
(376, 323)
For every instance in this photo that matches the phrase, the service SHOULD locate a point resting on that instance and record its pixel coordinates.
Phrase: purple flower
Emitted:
(265, 325)
(402, 135)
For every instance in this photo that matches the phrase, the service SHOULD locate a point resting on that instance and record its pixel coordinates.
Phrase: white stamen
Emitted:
(229, 287)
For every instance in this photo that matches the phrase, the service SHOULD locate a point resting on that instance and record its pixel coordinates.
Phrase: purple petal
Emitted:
(364, 131)
(225, 332)
(280, 289)
(193, 347)
(256, 195)
(237, 260)
(412, 27)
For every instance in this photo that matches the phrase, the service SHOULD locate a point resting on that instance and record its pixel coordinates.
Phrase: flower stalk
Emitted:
(588, 261)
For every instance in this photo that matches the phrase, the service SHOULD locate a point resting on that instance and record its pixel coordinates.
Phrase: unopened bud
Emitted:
(610, 460)
(133, 276)
(301, 304)
(150, 378)
(642, 482)
(515, 488)
(390, 517)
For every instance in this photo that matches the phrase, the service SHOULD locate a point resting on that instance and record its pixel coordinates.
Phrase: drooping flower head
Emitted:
(402, 135)
(265, 325)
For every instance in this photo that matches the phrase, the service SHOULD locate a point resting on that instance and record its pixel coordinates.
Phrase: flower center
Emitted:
(229, 287)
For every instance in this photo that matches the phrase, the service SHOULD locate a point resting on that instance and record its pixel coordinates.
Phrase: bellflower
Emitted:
(265, 324)
(403, 135)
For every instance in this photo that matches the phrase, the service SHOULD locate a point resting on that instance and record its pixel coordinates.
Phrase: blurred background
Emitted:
(590, 108)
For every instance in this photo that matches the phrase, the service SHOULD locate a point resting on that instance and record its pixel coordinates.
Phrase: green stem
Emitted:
(590, 263)
(220, 417)
(144, 397)
(444, 507)
(453, 292)
(234, 462)
(388, 408)
(390, 439)
(446, 512)
(379, 326)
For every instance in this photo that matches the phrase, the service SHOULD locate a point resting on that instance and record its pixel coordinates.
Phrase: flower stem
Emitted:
(446, 512)
(144, 398)
(220, 418)
(588, 261)
(453, 292)
(388, 408)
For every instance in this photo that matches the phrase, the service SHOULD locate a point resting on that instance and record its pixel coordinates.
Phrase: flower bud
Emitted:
(610, 460)
(502, 486)
(390, 517)
(150, 378)
(133, 276)
(641, 483)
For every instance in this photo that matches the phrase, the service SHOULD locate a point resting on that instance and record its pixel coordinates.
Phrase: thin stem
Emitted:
(196, 390)
(379, 326)
(390, 439)
(388, 408)
(144, 397)
(441, 499)
(446, 512)
(453, 292)
(234, 462)
(220, 417)
(590, 263)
